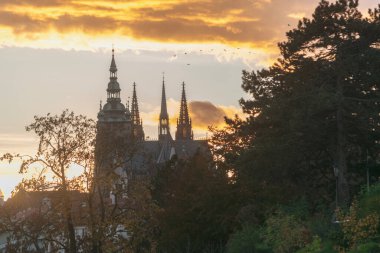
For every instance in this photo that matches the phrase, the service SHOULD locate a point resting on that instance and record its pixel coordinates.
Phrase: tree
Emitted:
(339, 38)
(314, 110)
(198, 203)
(64, 140)
(286, 233)
(115, 208)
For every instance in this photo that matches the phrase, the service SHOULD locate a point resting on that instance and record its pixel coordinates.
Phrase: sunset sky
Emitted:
(55, 54)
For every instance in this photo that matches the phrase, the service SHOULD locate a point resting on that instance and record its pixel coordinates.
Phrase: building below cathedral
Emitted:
(122, 123)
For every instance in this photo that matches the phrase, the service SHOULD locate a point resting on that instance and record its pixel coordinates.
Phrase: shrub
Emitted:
(247, 240)
(369, 202)
(286, 233)
(357, 229)
(314, 247)
(317, 246)
(370, 247)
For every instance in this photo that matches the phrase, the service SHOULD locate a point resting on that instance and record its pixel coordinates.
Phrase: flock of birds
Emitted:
(232, 52)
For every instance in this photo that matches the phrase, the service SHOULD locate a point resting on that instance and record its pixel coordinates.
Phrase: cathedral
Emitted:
(121, 152)
(119, 123)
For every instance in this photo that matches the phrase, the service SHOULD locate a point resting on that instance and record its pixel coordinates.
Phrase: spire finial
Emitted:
(100, 105)
(163, 77)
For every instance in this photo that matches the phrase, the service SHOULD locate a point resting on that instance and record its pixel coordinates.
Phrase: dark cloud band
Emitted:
(222, 21)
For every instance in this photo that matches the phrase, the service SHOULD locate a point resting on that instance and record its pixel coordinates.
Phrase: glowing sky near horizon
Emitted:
(55, 54)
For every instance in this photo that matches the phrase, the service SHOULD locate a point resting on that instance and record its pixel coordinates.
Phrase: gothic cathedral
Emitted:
(121, 139)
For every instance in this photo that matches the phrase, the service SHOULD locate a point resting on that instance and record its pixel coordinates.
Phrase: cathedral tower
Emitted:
(184, 129)
(114, 127)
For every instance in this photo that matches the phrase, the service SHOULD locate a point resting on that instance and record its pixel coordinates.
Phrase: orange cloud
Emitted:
(257, 24)
(202, 113)
(205, 114)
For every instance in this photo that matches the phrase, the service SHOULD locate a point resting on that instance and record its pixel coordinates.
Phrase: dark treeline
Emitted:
(297, 164)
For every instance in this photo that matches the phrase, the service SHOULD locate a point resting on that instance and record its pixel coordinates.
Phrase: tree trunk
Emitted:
(96, 246)
(341, 162)
(343, 189)
(69, 219)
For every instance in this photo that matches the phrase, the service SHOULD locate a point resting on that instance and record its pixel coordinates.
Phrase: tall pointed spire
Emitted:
(163, 129)
(135, 107)
(113, 90)
(113, 109)
(135, 116)
(113, 68)
(164, 110)
(184, 129)
(184, 112)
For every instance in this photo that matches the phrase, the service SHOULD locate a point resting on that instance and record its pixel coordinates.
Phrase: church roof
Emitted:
(153, 153)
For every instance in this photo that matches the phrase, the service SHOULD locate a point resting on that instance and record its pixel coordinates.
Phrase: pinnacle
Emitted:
(113, 67)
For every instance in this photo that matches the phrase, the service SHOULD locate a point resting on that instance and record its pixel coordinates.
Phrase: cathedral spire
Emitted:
(135, 107)
(113, 90)
(184, 112)
(164, 110)
(184, 129)
(113, 110)
(163, 128)
(113, 68)
(135, 116)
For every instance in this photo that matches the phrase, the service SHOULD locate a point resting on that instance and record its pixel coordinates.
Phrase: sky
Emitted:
(55, 54)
